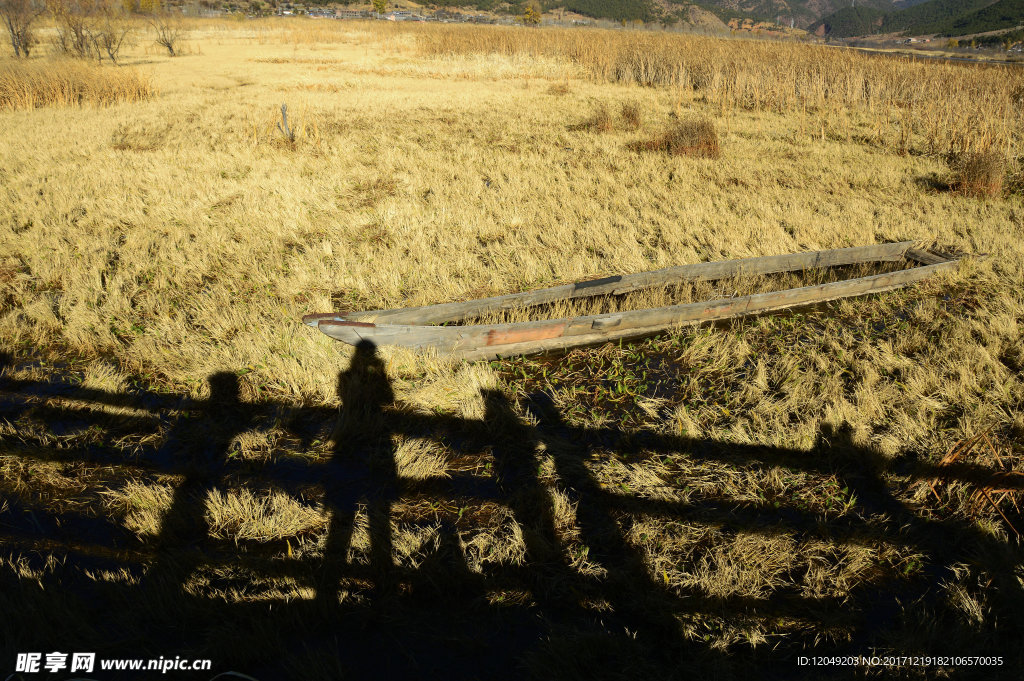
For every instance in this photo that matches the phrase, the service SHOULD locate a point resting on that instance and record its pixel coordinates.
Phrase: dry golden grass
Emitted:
(631, 115)
(980, 173)
(435, 188)
(696, 138)
(936, 104)
(240, 515)
(764, 473)
(65, 82)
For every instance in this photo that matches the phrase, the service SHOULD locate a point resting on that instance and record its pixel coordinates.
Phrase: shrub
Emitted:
(559, 89)
(688, 138)
(600, 121)
(630, 115)
(137, 137)
(979, 174)
(74, 23)
(67, 82)
(1015, 176)
(113, 31)
(532, 15)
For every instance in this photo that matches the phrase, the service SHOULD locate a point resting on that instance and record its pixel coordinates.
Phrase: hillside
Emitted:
(851, 21)
(668, 11)
(1005, 14)
(803, 12)
(942, 17)
(800, 13)
(930, 17)
(628, 10)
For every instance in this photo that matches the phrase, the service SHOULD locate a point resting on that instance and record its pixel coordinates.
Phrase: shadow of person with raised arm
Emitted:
(362, 469)
(514, 446)
(641, 607)
(198, 448)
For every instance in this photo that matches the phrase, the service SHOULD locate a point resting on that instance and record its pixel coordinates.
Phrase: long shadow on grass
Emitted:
(326, 607)
(362, 469)
(198, 447)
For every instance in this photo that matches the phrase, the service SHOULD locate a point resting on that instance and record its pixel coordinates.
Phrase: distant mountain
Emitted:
(801, 13)
(851, 21)
(695, 12)
(940, 17)
(836, 17)
(1001, 15)
(930, 17)
(617, 10)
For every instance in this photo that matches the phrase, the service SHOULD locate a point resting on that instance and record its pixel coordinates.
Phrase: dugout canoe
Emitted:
(415, 327)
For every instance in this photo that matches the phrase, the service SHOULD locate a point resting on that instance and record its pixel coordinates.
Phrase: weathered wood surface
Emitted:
(925, 257)
(501, 340)
(569, 342)
(707, 271)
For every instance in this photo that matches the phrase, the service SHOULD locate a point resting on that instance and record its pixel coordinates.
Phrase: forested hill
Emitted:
(644, 10)
(649, 10)
(659, 10)
(941, 17)
(1003, 14)
(801, 13)
(616, 10)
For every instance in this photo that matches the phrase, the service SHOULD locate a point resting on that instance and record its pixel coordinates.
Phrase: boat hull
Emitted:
(486, 341)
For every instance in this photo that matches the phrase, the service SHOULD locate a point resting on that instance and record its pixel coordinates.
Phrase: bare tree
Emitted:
(75, 22)
(18, 16)
(169, 30)
(113, 30)
(90, 29)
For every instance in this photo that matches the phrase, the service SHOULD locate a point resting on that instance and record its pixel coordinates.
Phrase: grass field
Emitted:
(187, 470)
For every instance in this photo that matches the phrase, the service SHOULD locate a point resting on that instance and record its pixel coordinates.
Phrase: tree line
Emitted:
(89, 29)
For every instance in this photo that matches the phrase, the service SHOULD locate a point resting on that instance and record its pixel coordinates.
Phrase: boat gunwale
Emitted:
(618, 284)
(496, 340)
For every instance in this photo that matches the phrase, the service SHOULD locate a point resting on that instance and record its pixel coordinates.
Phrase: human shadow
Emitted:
(198, 448)
(638, 604)
(587, 605)
(362, 469)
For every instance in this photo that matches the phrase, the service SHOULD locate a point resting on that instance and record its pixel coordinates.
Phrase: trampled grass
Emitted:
(185, 468)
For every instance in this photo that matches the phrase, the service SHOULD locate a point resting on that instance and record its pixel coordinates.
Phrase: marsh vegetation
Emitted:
(177, 448)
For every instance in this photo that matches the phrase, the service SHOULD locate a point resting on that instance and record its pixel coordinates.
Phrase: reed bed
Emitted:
(67, 83)
(936, 107)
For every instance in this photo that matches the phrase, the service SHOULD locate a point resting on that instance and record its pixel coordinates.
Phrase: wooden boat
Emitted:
(414, 327)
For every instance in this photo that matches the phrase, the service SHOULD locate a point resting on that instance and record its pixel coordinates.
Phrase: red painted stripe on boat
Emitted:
(495, 337)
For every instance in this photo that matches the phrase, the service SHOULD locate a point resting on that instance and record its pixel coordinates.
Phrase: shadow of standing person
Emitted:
(362, 469)
(198, 448)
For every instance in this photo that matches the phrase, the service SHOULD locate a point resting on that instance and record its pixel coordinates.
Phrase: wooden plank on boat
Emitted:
(769, 303)
(455, 312)
(925, 257)
(498, 340)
